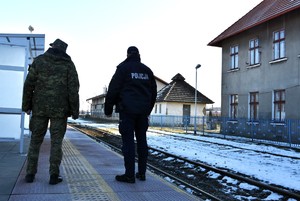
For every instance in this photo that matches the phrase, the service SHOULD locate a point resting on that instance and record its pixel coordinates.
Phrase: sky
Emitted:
(171, 35)
(229, 154)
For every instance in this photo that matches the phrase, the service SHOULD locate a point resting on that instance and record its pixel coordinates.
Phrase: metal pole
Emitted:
(195, 122)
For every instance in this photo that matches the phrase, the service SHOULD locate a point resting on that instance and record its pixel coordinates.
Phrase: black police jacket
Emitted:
(132, 88)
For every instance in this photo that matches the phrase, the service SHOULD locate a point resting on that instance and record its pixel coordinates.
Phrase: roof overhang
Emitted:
(34, 42)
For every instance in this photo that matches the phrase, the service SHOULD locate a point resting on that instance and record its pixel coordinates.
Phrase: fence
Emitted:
(99, 114)
(285, 132)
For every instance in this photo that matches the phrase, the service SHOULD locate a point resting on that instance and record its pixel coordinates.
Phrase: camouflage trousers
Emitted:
(38, 126)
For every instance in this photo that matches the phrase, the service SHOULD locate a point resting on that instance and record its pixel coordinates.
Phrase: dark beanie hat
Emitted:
(132, 50)
(59, 44)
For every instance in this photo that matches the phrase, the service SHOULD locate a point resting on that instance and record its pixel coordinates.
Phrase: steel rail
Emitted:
(235, 176)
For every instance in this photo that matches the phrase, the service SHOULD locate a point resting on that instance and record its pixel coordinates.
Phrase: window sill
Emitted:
(253, 66)
(277, 124)
(232, 122)
(278, 60)
(252, 123)
(233, 70)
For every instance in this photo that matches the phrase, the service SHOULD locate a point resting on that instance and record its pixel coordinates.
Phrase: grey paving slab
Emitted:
(108, 163)
(11, 163)
(41, 197)
(159, 196)
(4, 197)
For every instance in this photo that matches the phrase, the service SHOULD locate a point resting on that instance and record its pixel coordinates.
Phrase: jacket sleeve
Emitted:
(114, 89)
(153, 92)
(73, 90)
(28, 88)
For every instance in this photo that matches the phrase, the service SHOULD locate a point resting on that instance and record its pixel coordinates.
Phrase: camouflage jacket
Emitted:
(51, 86)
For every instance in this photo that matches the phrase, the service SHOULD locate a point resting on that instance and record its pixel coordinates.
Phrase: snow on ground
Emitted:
(227, 154)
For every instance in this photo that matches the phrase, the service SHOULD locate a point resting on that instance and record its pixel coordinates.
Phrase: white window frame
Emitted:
(278, 116)
(278, 45)
(234, 57)
(254, 103)
(233, 106)
(254, 52)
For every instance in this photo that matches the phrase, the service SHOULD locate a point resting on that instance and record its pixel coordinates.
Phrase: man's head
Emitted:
(59, 44)
(132, 50)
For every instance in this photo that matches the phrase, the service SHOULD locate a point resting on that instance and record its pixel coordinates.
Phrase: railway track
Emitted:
(231, 146)
(200, 179)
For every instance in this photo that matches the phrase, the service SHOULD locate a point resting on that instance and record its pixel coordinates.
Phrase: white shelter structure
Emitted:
(17, 52)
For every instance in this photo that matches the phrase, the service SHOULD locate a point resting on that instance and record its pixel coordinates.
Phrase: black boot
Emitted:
(125, 178)
(55, 179)
(29, 178)
(141, 177)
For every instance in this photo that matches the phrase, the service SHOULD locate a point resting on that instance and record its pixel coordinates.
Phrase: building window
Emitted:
(278, 45)
(159, 108)
(234, 57)
(254, 52)
(279, 105)
(253, 106)
(155, 109)
(233, 106)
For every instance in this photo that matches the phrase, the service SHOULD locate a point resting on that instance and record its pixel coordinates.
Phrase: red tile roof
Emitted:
(265, 11)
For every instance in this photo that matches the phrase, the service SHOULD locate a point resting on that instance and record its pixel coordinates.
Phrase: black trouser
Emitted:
(130, 125)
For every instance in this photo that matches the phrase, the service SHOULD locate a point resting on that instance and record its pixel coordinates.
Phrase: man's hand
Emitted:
(74, 117)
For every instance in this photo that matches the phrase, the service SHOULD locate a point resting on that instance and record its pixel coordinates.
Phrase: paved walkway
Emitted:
(88, 169)
(11, 163)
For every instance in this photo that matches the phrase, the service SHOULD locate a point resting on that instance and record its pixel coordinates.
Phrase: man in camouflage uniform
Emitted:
(51, 94)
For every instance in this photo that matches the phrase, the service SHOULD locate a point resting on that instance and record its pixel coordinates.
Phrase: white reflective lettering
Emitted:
(140, 76)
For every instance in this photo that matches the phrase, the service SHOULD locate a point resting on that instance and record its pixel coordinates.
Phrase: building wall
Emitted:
(268, 76)
(176, 109)
(160, 85)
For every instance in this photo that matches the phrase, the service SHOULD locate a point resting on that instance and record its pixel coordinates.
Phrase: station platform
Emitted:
(88, 169)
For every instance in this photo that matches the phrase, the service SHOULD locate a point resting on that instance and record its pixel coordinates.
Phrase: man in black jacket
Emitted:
(132, 90)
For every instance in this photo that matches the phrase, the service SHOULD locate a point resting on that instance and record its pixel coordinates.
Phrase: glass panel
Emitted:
(232, 62)
(277, 112)
(277, 96)
(252, 59)
(276, 50)
(12, 55)
(251, 111)
(256, 43)
(282, 112)
(282, 34)
(251, 44)
(276, 35)
(10, 126)
(236, 49)
(11, 86)
(257, 56)
(231, 50)
(282, 49)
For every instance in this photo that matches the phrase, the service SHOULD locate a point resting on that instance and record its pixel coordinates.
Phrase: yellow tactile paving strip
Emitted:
(83, 180)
